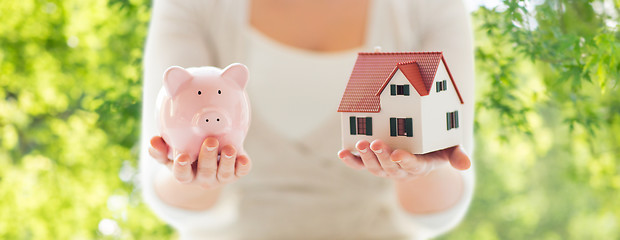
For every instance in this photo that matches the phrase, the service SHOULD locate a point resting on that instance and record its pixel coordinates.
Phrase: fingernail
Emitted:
(226, 155)
(363, 150)
(182, 163)
(396, 161)
(211, 144)
(378, 151)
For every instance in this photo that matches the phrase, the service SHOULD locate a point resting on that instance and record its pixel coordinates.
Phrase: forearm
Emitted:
(439, 190)
(186, 196)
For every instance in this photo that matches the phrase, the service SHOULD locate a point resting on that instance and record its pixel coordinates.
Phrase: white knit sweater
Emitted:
(301, 190)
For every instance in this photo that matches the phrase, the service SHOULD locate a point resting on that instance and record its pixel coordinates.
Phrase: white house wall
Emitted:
(434, 108)
(398, 106)
(348, 140)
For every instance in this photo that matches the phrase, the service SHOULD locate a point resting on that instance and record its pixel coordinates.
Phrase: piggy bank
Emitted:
(196, 103)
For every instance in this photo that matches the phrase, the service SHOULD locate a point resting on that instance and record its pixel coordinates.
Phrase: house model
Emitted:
(407, 99)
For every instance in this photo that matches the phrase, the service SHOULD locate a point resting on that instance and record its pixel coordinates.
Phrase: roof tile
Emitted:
(373, 70)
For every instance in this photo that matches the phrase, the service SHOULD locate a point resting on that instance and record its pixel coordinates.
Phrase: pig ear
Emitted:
(174, 77)
(238, 73)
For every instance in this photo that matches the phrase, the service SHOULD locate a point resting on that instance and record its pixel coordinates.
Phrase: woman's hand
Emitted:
(206, 172)
(380, 160)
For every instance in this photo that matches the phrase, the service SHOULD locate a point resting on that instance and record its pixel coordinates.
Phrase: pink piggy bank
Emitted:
(196, 103)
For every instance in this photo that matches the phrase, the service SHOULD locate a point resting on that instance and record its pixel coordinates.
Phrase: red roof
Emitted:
(373, 71)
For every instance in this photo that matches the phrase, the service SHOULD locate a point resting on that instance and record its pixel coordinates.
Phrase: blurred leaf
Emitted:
(553, 174)
(69, 116)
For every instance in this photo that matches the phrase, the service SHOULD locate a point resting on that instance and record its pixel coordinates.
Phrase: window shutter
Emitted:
(406, 90)
(393, 127)
(409, 127)
(352, 125)
(393, 90)
(448, 120)
(369, 126)
(456, 116)
(445, 84)
(437, 86)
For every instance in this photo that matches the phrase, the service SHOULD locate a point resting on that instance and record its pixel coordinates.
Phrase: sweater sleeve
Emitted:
(444, 25)
(424, 226)
(176, 37)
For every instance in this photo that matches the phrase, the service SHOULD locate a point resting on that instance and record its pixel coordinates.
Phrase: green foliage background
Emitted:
(547, 127)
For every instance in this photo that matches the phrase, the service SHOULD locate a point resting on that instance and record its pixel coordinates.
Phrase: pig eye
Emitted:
(199, 92)
(219, 91)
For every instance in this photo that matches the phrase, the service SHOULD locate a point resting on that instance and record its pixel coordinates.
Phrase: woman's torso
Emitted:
(298, 188)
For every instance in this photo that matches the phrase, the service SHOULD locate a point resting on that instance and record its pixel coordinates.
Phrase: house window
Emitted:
(452, 119)
(361, 125)
(399, 90)
(400, 122)
(401, 127)
(441, 85)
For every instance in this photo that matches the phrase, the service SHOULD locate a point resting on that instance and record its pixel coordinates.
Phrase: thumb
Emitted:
(459, 159)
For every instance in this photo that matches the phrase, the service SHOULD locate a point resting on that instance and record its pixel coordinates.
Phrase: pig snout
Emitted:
(212, 122)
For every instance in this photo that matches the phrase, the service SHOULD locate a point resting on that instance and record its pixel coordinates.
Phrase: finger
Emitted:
(370, 159)
(226, 168)
(182, 169)
(351, 160)
(410, 163)
(160, 145)
(157, 156)
(459, 159)
(159, 150)
(383, 151)
(207, 163)
(242, 166)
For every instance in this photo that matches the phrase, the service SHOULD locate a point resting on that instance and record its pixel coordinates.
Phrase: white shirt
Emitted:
(294, 90)
(300, 189)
